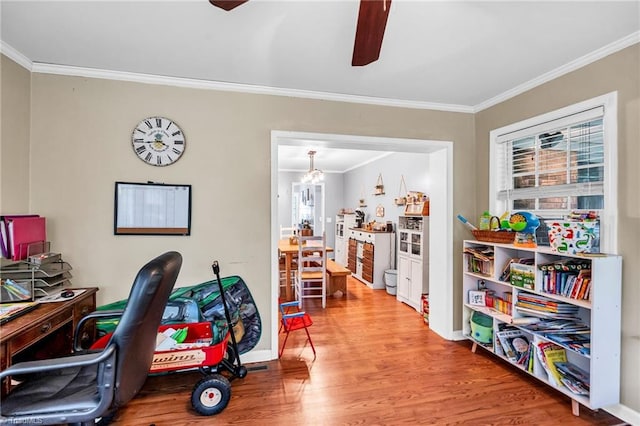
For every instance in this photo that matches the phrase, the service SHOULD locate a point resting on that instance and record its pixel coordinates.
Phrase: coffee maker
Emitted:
(359, 218)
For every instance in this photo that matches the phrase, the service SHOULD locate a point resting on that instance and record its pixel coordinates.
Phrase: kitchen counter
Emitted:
(370, 253)
(366, 230)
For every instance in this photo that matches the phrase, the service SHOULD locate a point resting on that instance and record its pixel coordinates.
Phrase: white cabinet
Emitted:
(578, 291)
(370, 253)
(413, 260)
(343, 223)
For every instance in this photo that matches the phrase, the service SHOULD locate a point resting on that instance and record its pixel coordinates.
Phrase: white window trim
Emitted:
(609, 219)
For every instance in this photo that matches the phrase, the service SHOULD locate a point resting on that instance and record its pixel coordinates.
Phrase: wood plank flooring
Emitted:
(377, 364)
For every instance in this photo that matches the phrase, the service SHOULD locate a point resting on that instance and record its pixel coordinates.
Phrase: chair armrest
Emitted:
(294, 315)
(92, 316)
(30, 367)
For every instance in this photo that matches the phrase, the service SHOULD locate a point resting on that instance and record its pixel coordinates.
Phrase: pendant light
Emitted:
(313, 175)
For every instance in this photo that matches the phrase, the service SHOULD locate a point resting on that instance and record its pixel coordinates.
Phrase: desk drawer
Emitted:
(83, 308)
(39, 330)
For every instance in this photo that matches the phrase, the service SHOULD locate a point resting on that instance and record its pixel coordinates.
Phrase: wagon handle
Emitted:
(216, 270)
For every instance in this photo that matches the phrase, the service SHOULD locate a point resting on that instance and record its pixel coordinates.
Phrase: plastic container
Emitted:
(391, 280)
(485, 221)
(481, 327)
(568, 236)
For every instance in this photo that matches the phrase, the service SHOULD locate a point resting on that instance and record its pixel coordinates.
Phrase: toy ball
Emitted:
(524, 222)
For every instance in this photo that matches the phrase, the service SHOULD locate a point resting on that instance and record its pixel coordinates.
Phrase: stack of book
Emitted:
(571, 334)
(544, 307)
(549, 354)
(568, 277)
(560, 372)
(574, 378)
(479, 259)
(515, 345)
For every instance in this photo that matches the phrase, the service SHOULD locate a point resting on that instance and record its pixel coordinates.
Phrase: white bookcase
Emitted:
(413, 260)
(600, 312)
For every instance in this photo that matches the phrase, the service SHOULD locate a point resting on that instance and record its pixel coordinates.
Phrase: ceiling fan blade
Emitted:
(372, 20)
(227, 4)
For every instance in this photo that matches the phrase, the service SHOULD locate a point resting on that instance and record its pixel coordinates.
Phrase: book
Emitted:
(506, 338)
(573, 377)
(9, 311)
(549, 354)
(520, 347)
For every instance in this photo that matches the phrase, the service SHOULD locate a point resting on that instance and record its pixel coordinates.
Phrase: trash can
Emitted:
(391, 280)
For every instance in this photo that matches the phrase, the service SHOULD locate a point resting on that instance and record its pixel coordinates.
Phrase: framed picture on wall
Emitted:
(152, 209)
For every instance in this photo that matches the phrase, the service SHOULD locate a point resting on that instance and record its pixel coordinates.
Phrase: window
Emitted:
(558, 162)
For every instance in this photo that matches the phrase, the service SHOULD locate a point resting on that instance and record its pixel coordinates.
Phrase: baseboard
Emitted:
(624, 413)
(257, 356)
(457, 335)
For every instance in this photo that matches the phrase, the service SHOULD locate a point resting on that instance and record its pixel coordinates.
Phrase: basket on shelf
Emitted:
(505, 237)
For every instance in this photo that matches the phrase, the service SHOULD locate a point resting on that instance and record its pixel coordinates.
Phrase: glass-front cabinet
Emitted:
(410, 236)
(413, 260)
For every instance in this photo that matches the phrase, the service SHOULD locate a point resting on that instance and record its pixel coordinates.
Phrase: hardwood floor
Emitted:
(377, 363)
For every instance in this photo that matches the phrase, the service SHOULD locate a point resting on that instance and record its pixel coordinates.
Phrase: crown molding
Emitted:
(16, 56)
(236, 87)
(67, 70)
(560, 71)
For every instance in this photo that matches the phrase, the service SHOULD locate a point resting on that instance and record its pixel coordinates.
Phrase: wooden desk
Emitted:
(289, 250)
(45, 332)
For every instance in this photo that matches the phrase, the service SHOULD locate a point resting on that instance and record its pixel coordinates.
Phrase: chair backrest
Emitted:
(311, 279)
(135, 335)
(312, 249)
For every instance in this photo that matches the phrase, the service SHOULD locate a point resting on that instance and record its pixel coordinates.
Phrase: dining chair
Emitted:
(311, 279)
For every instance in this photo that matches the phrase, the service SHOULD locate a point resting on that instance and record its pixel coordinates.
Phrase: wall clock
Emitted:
(158, 141)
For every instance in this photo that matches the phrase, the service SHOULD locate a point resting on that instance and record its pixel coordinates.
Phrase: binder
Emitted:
(24, 231)
(6, 248)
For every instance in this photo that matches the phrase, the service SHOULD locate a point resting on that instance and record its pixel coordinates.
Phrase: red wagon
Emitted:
(196, 348)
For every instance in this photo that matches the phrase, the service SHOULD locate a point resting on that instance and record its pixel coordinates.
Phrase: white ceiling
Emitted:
(450, 55)
(457, 54)
(329, 160)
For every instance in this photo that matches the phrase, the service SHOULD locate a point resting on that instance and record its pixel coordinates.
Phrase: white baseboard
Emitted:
(457, 335)
(257, 356)
(624, 413)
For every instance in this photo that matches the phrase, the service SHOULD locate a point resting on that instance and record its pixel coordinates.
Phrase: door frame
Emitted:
(441, 216)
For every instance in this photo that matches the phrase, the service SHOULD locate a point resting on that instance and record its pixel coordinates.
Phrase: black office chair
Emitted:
(81, 388)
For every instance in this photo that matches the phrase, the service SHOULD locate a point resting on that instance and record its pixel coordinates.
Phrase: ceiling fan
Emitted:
(372, 21)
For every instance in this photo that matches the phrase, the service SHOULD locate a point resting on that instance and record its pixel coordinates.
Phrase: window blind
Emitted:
(553, 166)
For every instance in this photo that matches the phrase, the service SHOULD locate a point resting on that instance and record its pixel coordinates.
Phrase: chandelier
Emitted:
(313, 175)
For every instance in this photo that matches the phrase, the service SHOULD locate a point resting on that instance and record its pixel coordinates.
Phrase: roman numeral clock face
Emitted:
(158, 141)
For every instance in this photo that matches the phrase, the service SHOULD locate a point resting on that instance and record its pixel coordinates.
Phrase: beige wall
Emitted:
(80, 135)
(80, 140)
(15, 94)
(618, 72)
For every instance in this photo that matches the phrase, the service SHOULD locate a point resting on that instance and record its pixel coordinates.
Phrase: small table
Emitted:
(289, 250)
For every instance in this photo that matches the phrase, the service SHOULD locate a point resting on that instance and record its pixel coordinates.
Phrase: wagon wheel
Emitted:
(211, 395)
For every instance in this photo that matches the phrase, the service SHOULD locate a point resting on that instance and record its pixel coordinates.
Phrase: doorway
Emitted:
(307, 206)
(440, 164)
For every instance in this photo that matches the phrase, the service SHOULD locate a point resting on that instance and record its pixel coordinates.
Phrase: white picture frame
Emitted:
(477, 298)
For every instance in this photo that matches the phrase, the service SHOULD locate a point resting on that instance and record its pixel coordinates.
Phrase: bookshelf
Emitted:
(566, 307)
